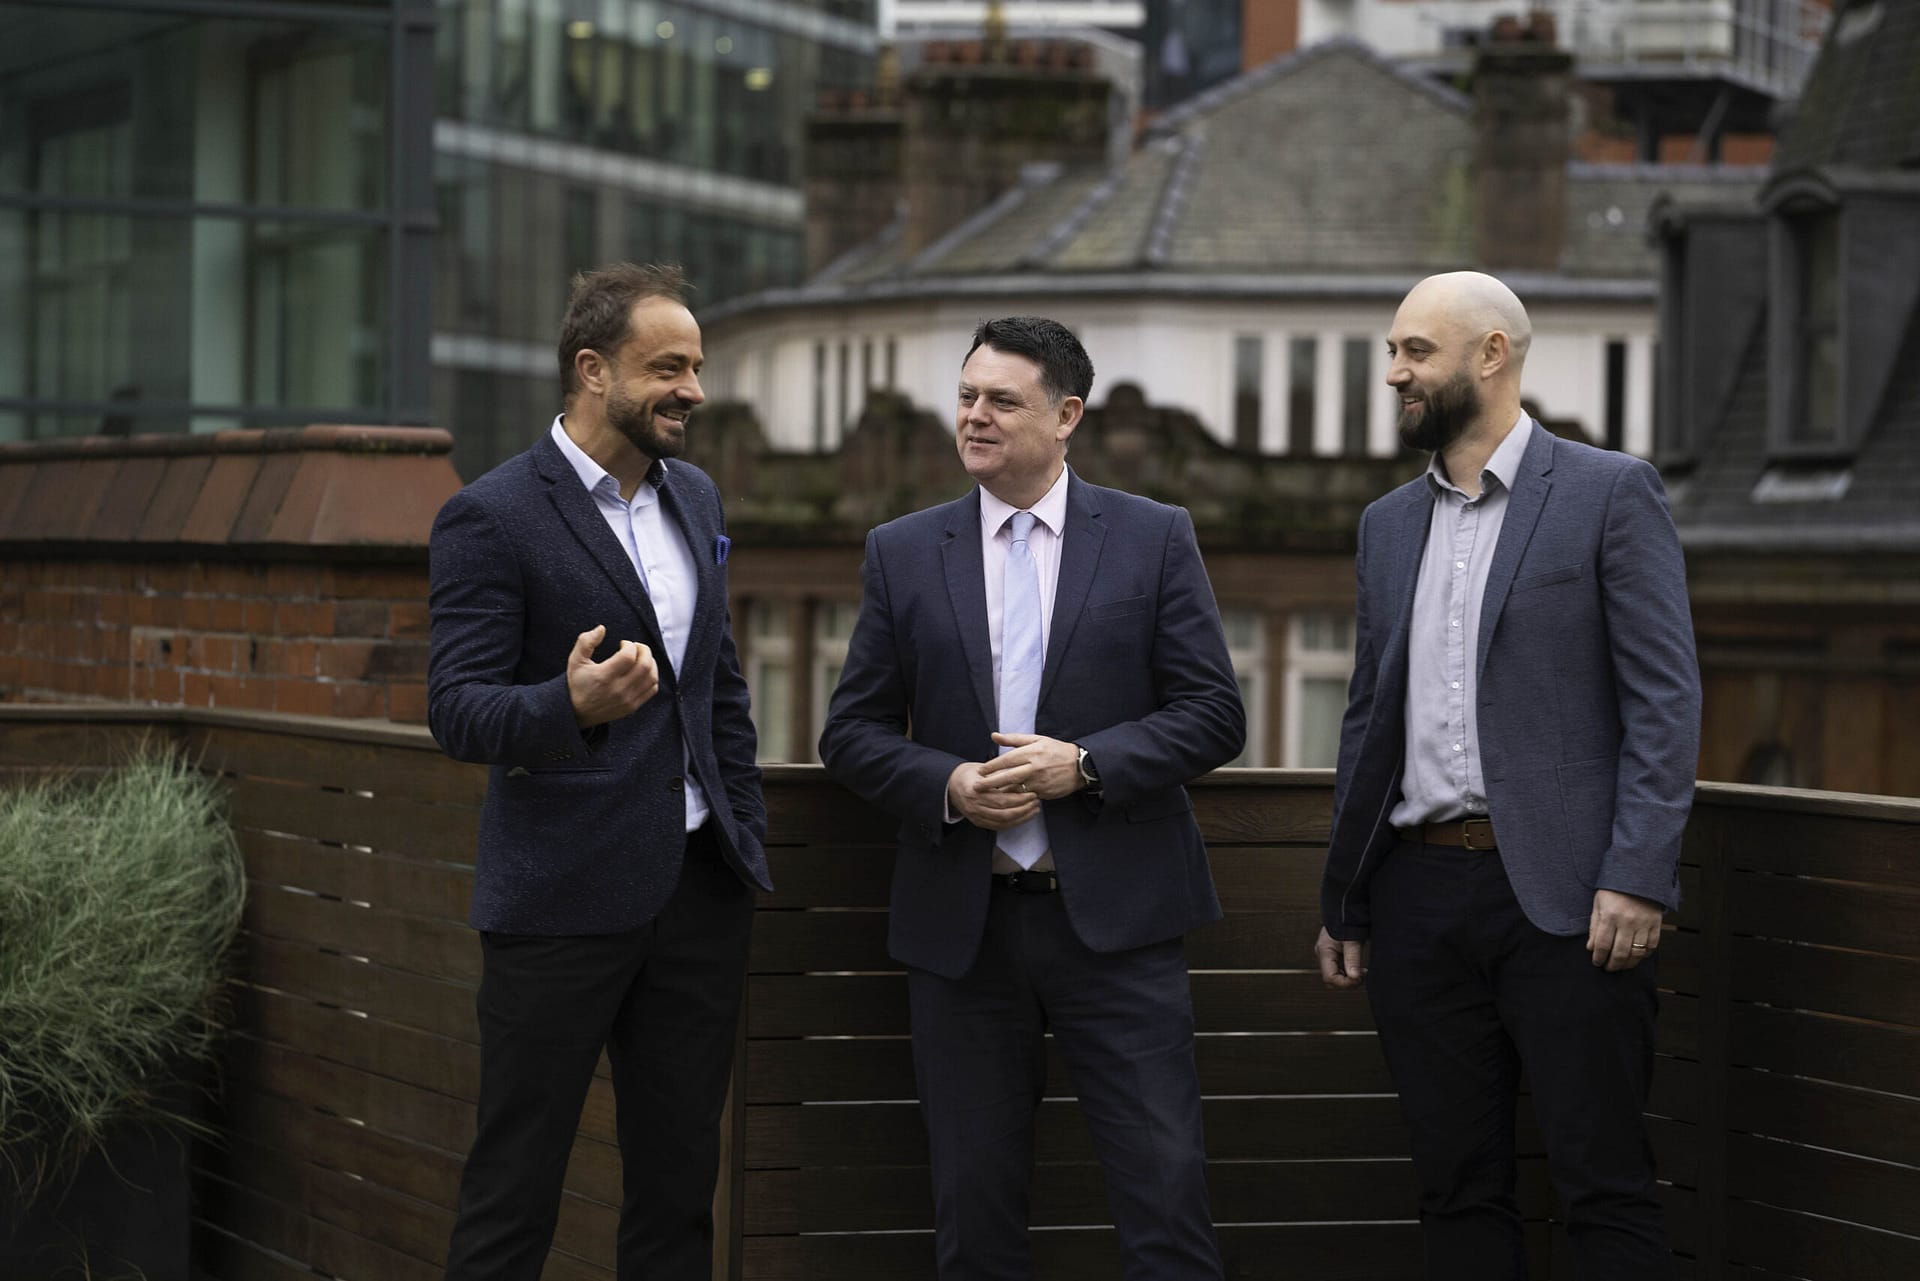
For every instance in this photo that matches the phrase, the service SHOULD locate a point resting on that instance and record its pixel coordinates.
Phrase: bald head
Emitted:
(1457, 345)
(1473, 305)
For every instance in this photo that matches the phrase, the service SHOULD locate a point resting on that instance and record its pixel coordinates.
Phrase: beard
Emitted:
(1443, 414)
(635, 420)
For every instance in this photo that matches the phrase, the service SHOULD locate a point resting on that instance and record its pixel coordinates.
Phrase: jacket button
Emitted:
(676, 783)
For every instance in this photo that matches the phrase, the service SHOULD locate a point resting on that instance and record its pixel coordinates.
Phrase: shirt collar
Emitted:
(1503, 466)
(1050, 511)
(592, 474)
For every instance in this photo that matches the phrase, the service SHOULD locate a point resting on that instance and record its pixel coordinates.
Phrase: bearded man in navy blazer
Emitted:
(1516, 765)
(1036, 672)
(582, 650)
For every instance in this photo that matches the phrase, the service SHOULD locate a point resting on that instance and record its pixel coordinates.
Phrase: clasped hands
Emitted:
(1622, 931)
(616, 686)
(1007, 790)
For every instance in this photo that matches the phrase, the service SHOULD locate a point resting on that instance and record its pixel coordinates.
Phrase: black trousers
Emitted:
(1124, 1024)
(664, 1002)
(1466, 993)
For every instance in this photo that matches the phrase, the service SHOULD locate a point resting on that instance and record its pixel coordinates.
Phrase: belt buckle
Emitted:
(1466, 833)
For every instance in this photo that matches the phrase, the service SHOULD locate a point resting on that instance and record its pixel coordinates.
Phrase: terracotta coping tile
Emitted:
(126, 501)
(173, 498)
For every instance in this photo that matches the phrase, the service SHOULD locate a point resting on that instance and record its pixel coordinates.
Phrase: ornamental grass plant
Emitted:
(120, 897)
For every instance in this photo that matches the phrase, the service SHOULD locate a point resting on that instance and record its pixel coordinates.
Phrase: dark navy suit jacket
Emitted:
(582, 832)
(1588, 687)
(1137, 672)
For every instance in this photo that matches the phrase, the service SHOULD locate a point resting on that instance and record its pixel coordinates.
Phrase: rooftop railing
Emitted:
(1785, 1112)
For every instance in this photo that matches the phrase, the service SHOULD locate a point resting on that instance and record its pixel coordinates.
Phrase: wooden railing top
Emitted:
(1897, 809)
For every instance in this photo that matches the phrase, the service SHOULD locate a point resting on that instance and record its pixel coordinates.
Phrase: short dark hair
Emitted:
(1065, 368)
(600, 309)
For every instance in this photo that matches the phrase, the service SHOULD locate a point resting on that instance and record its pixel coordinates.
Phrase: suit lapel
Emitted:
(576, 507)
(1524, 505)
(967, 589)
(1079, 558)
(1408, 543)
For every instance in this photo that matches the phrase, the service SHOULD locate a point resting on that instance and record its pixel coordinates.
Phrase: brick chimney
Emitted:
(853, 163)
(1522, 142)
(978, 112)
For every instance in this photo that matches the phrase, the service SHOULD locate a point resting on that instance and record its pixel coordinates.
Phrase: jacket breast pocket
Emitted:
(1108, 610)
(1547, 578)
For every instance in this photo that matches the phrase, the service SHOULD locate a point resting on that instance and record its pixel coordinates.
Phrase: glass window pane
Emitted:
(1302, 356)
(1249, 360)
(1323, 701)
(1356, 387)
(772, 695)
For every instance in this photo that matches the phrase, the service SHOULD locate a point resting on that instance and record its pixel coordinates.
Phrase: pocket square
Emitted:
(721, 546)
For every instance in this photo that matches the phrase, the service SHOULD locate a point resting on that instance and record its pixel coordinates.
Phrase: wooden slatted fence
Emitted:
(1786, 1109)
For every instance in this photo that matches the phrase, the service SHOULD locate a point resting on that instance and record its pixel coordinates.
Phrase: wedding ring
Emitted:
(1637, 947)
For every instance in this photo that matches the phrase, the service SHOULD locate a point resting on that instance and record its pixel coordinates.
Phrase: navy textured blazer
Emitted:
(1136, 672)
(1588, 689)
(582, 832)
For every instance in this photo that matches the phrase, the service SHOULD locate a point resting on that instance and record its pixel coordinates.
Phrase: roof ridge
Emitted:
(1032, 178)
(1228, 90)
(1071, 223)
(868, 248)
(1173, 198)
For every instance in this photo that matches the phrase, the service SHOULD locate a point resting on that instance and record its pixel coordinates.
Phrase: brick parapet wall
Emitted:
(289, 576)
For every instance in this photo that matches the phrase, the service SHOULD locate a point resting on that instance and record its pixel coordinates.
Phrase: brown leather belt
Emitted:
(1461, 833)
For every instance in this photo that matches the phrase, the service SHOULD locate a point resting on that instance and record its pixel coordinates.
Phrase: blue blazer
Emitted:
(1136, 672)
(582, 832)
(1587, 684)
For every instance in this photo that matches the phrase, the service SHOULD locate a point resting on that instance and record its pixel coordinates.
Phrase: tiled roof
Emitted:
(1333, 162)
(1861, 103)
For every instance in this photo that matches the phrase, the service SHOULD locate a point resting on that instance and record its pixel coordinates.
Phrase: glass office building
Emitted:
(573, 132)
(213, 215)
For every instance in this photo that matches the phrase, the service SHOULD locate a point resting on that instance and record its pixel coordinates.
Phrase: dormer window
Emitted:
(1815, 420)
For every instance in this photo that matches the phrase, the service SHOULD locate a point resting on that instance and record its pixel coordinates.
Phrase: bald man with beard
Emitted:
(1516, 765)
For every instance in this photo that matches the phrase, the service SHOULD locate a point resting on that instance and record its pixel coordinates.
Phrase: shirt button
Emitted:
(1459, 564)
(1456, 685)
(1454, 623)
(1456, 747)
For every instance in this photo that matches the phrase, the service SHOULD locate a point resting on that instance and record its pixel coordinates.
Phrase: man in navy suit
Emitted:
(582, 650)
(1071, 630)
(1516, 766)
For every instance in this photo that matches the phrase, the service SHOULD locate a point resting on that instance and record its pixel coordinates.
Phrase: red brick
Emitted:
(116, 645)
(358, 701)
(114, 607)
(384, 583)
(165, 687)
(230, 580)
(242, 691)
(197, 612)
(304, 698)
(257, 617)
(408, 619)
(168, 611)
(111, 682)
(290, 658)
(167, 578)
(196, 689)
(407, 703)
(291, 619)
(229, 614)
(217, 654)
(140, 610)
(359, 618)
(398, 661)
(344, 660)
(291, 582)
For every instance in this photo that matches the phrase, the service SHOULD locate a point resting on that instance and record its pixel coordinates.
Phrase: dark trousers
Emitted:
(664, 1002)
(1466, 993)
(1124, 1024)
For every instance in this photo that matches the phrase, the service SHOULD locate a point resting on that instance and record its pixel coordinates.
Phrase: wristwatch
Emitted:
(1088, 774)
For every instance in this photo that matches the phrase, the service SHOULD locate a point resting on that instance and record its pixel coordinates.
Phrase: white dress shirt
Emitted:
(658, 550)
(996, 536)
(1441, 779)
